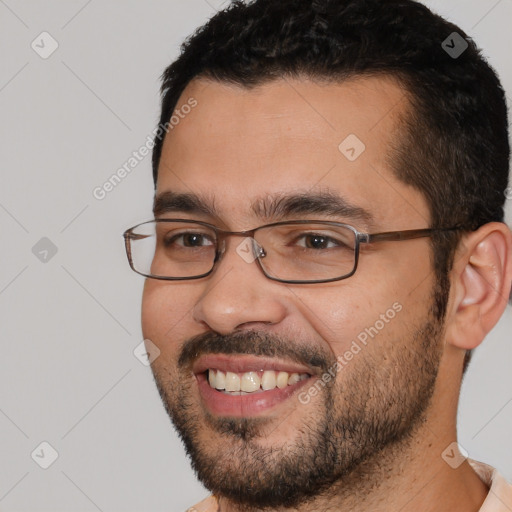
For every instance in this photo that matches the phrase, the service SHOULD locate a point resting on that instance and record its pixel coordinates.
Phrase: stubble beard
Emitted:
(379, 401)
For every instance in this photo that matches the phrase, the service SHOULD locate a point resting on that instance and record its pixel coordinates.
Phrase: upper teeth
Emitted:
(253, 381)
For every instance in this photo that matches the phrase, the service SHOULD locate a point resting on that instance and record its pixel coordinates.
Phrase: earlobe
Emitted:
(481, 285)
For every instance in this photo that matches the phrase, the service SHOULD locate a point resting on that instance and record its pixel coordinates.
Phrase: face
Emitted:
(352, 360)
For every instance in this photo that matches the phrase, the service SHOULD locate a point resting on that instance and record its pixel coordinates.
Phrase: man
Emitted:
(328, 248)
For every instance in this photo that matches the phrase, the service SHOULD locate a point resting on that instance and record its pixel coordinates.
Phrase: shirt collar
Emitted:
(499, 498)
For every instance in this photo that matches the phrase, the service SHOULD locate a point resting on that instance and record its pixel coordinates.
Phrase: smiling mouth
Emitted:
(232, 383)
(247, 386)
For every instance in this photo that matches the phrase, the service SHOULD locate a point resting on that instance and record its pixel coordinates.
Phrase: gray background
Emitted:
(70, 323)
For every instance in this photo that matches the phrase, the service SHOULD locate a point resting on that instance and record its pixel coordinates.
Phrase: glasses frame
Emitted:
(222, 235)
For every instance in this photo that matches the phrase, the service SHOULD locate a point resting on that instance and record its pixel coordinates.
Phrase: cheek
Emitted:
(364, 314)
(151, 309)
(164, 316)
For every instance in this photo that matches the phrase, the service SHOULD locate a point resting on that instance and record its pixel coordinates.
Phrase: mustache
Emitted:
(256, 343)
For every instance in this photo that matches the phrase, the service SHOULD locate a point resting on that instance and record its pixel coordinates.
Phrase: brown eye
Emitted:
(189, 240)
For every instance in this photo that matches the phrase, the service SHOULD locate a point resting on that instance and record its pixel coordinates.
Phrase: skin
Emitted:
(239, 144)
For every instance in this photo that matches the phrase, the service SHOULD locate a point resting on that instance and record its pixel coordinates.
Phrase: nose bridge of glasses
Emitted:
(243, 248)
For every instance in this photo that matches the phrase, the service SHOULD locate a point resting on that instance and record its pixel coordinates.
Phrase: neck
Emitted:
(407, 475)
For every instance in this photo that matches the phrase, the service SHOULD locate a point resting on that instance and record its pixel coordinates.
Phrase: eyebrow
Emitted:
(268, 208)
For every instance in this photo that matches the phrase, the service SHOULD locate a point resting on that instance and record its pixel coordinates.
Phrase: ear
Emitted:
(481, 284)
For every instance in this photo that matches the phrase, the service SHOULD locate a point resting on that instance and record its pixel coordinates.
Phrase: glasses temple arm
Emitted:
(409, 234)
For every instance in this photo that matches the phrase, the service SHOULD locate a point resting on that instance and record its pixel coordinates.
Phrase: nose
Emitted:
(237, 294)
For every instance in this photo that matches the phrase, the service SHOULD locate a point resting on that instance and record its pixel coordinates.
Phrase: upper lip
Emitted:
(246, 363)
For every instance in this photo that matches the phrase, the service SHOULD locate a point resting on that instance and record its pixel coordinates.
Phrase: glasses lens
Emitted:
(307, 252)
(172, 249)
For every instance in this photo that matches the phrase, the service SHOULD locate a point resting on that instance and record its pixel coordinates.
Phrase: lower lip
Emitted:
(243, 406)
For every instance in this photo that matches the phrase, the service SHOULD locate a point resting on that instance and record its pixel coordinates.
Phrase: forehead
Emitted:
(290, 137)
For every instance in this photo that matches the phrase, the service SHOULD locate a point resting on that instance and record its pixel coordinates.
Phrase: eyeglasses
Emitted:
(297, 252)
